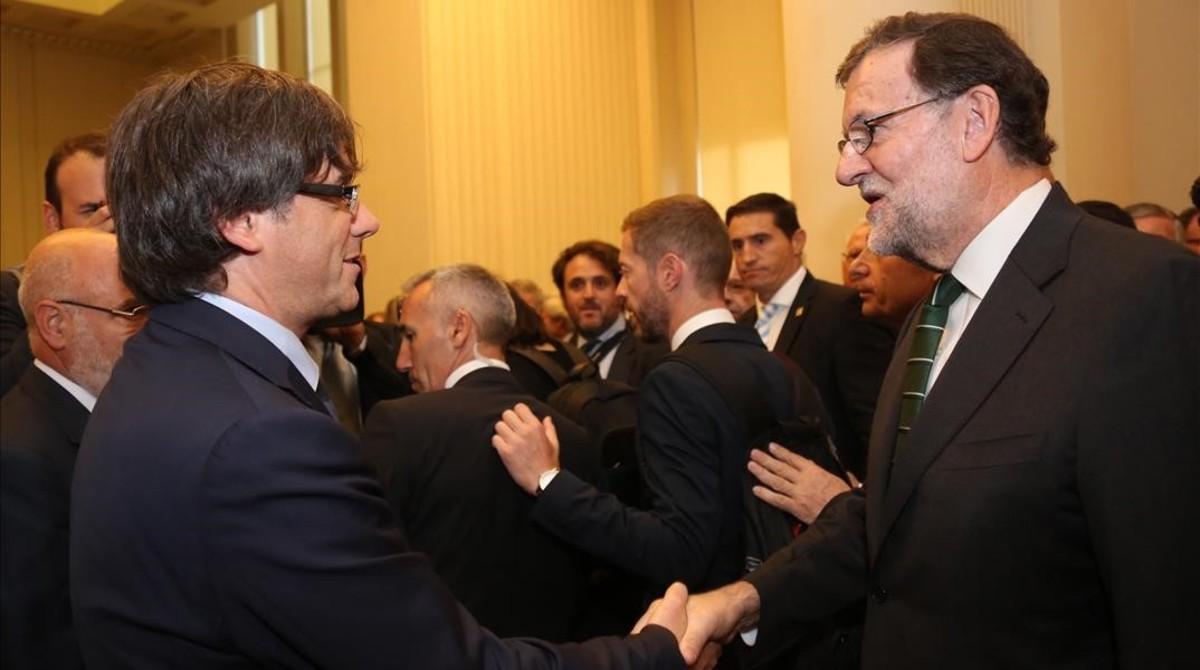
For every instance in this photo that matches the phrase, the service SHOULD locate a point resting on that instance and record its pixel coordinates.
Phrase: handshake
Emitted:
(703, 623)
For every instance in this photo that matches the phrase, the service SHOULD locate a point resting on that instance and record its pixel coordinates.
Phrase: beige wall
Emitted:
(51, 89)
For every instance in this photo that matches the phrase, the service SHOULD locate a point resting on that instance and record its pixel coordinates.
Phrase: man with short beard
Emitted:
(1031, 497)
(674, 261)
(81, 313)
(586, 274)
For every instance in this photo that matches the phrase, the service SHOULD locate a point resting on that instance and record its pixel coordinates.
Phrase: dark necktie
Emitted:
(925, 341)
(592, 346)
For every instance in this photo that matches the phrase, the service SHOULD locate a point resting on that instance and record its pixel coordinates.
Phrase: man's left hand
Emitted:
(528, 446)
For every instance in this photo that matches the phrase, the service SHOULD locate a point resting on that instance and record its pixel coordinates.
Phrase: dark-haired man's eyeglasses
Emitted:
(348, 193)
(132, 314)
(861, 133)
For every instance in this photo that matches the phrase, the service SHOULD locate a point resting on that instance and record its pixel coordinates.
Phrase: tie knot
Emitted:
(947, 291)
(590, 346)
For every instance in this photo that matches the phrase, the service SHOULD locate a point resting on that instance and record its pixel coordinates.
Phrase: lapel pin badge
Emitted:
(799, 312)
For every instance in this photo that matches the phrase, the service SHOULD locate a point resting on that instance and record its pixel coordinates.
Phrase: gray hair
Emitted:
(475, 290)
(1142, 210)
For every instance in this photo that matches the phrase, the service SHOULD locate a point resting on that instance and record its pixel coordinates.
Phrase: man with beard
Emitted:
(80, 314)
(674, 262)
(1031, 498)
(586, 274)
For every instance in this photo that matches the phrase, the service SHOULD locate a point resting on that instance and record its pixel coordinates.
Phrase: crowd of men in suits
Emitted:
(201, 470)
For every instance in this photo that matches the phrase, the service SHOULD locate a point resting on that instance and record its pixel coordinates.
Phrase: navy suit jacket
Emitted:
(1043, 512)
(220, 518)
(687, 435)
(845, 356)
(15, 355)
(457, 503)
(41, 425)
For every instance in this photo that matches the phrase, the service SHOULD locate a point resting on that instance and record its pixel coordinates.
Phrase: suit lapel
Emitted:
(69, 414)
(797, 313)
(212, 324)
(1001, 328)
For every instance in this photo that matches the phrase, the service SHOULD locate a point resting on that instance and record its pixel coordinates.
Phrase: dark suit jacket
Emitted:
(40, 428)
(845, 356)
(15, 355)
(457, 503)
(220, 518)
(687, 435)
(1043, 511)
(634, 358)
(378, 378)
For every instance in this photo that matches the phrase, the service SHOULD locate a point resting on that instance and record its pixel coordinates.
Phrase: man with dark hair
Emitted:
(1031, 489)
(74, 192)
(817, 324)
(74, 185)
(220, 516)
(1108, 211)
(81, 315)
(448, 488)
(586, 274)
(693, 445)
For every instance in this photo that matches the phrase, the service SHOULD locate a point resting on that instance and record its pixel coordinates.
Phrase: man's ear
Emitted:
(461, 326)
(52, 323)
(244, 231)
(799, 237)
(983, 121)
(50, 218)
(670, 271)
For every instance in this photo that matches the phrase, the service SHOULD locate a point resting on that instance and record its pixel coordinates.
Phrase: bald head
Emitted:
(69, 287)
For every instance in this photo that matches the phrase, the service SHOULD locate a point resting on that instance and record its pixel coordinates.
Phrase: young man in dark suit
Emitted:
(446, 484)
(587, 274)
(692, 445)
(1031, 497)
(817, 324)
(81, 314)
(220, 516)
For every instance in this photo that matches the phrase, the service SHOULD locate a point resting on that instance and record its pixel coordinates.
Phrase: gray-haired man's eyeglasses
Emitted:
(862, 133)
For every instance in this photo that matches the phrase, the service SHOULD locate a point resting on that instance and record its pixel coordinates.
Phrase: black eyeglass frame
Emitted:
(127, 314)
(347, 192)
(869, 125)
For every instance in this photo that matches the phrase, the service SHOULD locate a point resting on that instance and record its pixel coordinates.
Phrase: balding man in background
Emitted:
(81, 314)
(74, 192)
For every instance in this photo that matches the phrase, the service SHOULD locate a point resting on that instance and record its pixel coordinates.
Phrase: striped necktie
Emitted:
(763, 325)
(925, 341)
(592, 346)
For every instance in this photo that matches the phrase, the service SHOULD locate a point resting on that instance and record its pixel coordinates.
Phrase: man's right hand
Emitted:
(714, 618)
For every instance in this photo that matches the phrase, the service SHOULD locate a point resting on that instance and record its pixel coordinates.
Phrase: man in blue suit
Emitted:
(220, 516)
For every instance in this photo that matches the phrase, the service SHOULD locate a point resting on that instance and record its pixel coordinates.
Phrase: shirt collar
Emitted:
(706, 318)
(617, 326)
(81, 394)
(283, 339)
(786, 294)
(978, 264)
(471, 366)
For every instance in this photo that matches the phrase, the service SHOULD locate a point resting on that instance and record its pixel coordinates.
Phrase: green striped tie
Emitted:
(920, 357)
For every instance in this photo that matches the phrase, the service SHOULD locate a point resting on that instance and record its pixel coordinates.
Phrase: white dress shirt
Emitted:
(477, 363)
(978, 265)
(706, 318)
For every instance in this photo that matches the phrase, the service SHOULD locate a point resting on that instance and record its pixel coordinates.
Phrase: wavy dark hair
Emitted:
(952, 53)
(196, 148)
(602, 252)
